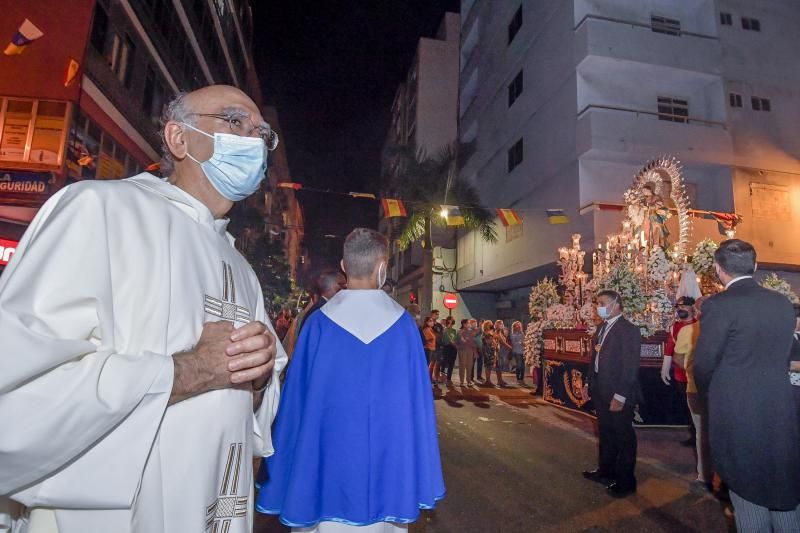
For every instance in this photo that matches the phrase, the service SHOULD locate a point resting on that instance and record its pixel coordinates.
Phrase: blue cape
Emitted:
(355, 435)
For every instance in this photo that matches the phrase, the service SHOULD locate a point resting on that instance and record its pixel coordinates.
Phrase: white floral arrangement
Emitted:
(642, 320)
(561, 316)
(660, 302)
(533, 344)
(543, 295)
(703, 257)
(586, 314)
(624, 281)
(659, 267)
(780, 285)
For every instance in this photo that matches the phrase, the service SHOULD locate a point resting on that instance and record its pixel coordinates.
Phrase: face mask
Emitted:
(683, 314)
(381, 275)
(237, 166)
(603, 313)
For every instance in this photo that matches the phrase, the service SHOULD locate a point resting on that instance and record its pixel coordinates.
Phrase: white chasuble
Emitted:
(109, 281)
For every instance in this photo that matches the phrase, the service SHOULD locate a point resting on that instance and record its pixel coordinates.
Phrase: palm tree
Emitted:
(425, 183)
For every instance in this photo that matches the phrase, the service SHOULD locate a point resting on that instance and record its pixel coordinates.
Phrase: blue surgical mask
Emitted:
(603, 313)
(237, 166)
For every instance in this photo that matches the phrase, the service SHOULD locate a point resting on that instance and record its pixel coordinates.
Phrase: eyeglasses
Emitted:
(237, 123)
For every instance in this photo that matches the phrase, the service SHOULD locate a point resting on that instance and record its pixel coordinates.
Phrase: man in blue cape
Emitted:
(355, 439)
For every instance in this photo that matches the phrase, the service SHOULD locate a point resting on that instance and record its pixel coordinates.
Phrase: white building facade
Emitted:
(566, 100)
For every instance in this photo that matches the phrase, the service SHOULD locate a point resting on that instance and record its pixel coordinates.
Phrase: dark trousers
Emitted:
(449, 354)
(479, 363)
(617, 443)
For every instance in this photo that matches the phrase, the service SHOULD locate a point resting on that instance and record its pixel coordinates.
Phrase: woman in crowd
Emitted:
(504, 357)
(517, 339)
(491, 353)
(430, 347)
(467, 352)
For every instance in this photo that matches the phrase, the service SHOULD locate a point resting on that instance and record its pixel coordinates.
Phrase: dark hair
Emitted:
(328, 280)
(464, 321)
(434, 311)
(614, 295)
(736, 257)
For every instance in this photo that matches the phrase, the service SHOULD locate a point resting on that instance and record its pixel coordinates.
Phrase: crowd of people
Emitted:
(479, 351)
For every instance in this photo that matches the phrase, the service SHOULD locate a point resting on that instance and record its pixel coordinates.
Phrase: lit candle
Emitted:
(562, 253)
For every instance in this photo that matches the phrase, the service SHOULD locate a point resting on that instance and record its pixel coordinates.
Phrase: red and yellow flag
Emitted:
(289, 185)
(393, 208)
(509, 217)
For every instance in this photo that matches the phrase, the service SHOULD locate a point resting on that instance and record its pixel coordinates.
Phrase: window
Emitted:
(123, 64)
(725, 19)
(515, 155)
(751, 24)
(665, 25)
(515, 25)
(33, 131)
(735, 100)
(673, 109)
(515, 89)
(99, 28)
(760, 104)
(514, 232)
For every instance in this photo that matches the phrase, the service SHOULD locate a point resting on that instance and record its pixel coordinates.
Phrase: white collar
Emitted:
(734, 280)
(611, 321)
(365, 314)
(197, 209)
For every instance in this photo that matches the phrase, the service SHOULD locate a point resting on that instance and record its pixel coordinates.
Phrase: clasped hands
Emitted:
(225, 357)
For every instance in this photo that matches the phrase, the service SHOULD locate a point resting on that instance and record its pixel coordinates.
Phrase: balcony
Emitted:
(611, 132)
(605, 37)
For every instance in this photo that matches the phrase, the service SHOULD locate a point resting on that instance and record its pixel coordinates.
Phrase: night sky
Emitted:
(331, 68)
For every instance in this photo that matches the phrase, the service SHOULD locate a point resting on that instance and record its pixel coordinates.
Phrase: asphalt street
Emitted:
(513, 463)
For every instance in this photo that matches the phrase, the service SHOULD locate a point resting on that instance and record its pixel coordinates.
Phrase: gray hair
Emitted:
(176, 111)
(363, 248)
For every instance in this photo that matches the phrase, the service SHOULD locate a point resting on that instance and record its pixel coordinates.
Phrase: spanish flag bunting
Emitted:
(368, 195)
(72, 72)
(290, 185)
(393, 208)
(452, 215)
(26, 34)
(509, 217)
(557, 216)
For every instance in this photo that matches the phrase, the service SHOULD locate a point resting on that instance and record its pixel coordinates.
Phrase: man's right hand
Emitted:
(204, 367)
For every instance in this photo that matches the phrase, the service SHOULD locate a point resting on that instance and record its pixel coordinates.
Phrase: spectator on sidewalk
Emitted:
(740, 364)
(517, 338)
(467, 353)
(430, 347)
(449, 350)
(477, 369)
(504, 355)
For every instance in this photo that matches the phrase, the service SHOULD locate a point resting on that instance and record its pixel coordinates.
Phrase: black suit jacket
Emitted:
(619, 364)
(740, 364)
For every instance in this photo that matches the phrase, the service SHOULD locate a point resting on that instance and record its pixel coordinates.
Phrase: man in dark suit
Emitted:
(741, 365)
(613, 382)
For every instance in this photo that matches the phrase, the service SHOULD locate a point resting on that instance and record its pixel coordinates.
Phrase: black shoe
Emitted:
(598, 477)
(618, 491)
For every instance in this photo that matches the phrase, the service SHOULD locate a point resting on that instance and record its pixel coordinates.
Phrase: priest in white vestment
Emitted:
(138, 377)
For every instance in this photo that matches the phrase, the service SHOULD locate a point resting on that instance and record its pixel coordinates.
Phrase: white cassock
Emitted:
(110, 279)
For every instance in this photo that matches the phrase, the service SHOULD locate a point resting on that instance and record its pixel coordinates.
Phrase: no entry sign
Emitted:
(450, 301)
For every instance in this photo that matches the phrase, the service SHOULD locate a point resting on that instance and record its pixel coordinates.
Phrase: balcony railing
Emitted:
(679, 118)
(633, 23)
